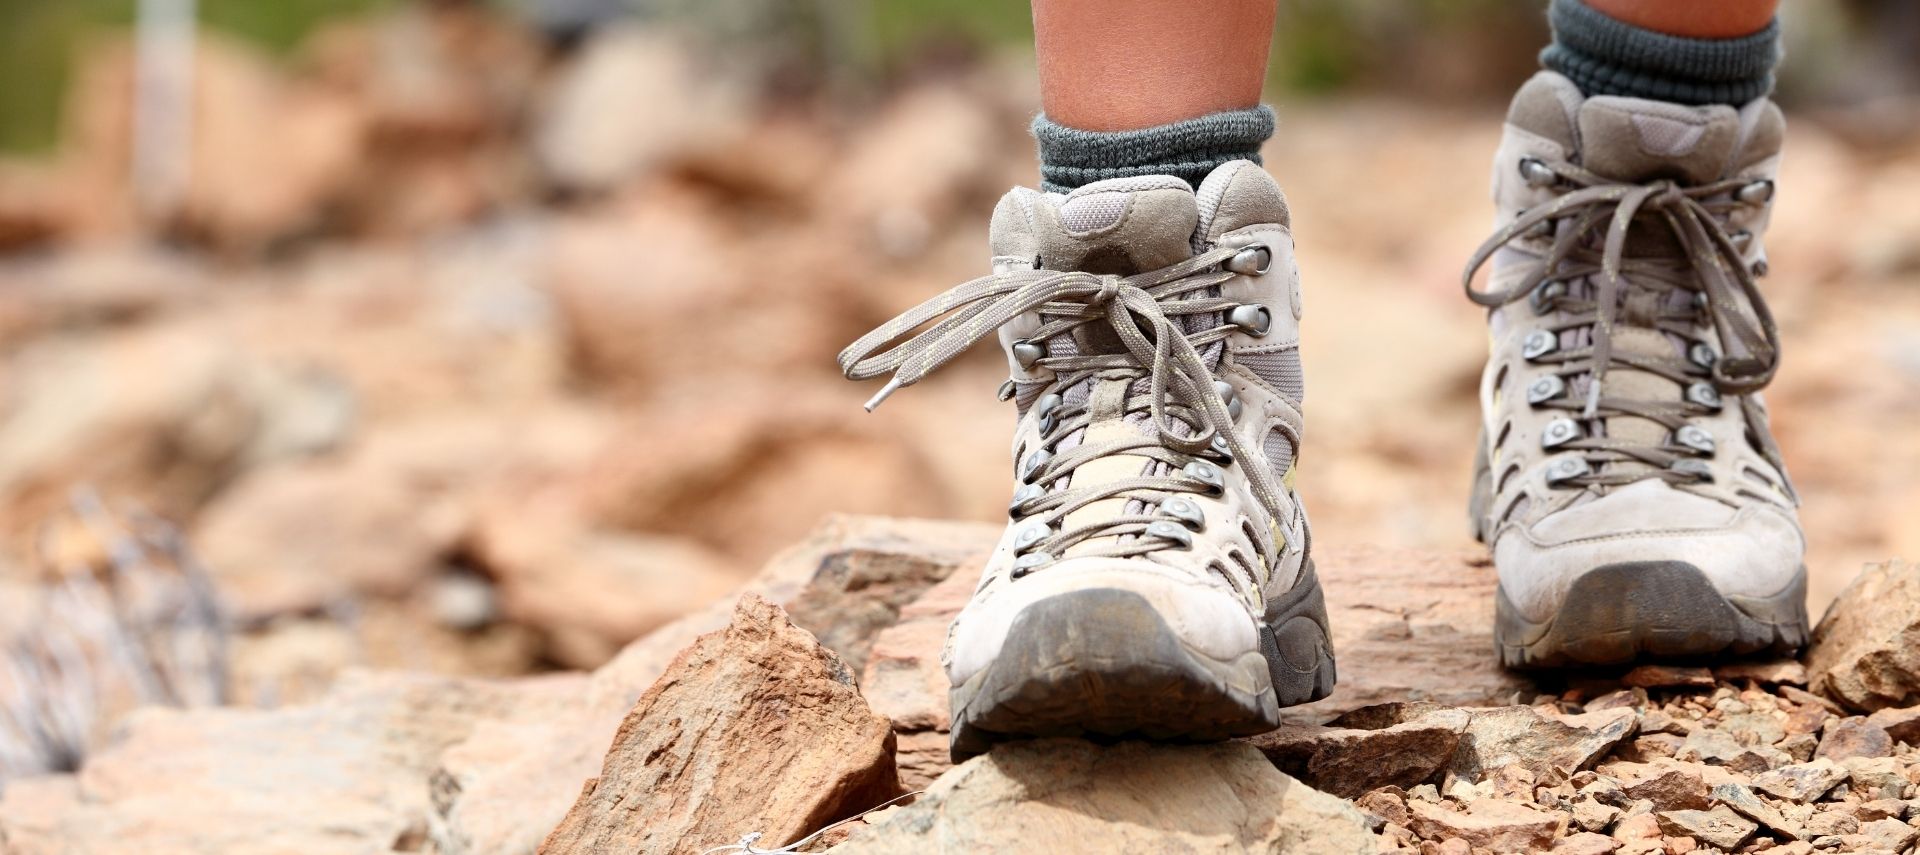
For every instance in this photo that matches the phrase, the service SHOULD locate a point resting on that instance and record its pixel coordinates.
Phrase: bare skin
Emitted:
(1699, 19)
(1117, 65)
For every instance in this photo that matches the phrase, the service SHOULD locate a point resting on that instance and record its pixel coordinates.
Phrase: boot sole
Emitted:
(1623, 612)
(1101, 663)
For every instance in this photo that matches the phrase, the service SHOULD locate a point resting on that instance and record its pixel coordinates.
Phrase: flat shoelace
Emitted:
(1185, 411)
(1709, 264)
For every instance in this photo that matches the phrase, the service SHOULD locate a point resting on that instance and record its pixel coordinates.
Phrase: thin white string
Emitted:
(746, 847)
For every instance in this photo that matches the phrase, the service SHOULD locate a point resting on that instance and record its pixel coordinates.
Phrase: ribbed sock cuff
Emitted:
(1187, 149)
(1604, 56)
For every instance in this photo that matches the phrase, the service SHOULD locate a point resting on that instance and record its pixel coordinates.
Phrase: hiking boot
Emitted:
(1627, 484)
(1155, 579)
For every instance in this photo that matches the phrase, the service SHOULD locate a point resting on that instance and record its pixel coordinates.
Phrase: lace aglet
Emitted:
(1593, 400)
(893, 384)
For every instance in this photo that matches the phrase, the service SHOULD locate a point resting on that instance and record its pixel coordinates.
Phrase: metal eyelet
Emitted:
(1568, 468)
(1694, 437)
(1693, 466)
(1542, 297)
(1536, 172)
(1043, 409)
(1206, 473)
(1028, 353)
(1546, 389)
(1759, 268)
(1026, 493)
(1705, 395)
(1559, 432)
(1030, 534)
(1031, 466)
(1741, 239)
(1028, 563)
(1251, 261)
(1170, 531)
(1537, 344)
(1701, 353)
(1186, 511)
(1218, 447)
(1229, 397)
(1757, 193)
(1252, 318)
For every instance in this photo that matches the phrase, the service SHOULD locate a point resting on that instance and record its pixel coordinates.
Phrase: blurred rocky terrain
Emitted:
(470, 357)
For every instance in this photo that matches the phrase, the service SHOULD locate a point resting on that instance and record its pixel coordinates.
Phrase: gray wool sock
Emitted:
(1604, 56)
(1187, 149)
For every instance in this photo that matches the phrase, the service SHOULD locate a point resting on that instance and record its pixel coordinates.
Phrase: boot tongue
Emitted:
(1120, 226)
(1634, 140)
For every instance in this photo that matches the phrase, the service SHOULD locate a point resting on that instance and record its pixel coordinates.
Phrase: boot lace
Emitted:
(1588, 278)
(1187, 431)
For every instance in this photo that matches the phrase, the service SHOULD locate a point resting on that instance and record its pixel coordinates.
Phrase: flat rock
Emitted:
(1903, 724)
(1854, 737)
(1719, 827)
(346, 774)
(1889, 835)
(756, 727)
(1349, 761)
(1489, 824)
(1716, 747)
(1407, 626)
(1745, 803)
(1788, 672)
(1865, 652)
(1061, 795)
(1551, 746)
(1585, 843)
(1802, 782)
(1669, 789)
(1668, 677)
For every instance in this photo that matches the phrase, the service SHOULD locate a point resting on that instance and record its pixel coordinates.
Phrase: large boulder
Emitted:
(754, 727)
(1866, 649)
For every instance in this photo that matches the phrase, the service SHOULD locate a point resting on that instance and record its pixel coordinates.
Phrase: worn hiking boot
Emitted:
(1627, 484)
(1155, 579)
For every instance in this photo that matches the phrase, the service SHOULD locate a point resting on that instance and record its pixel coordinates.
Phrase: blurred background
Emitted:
(484, 337)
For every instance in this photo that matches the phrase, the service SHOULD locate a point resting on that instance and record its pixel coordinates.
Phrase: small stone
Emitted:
(1349, 761)
(1590, 814)
(1463, 791)
(1633, 699)
(1680, 845)
(1890, 835)
(1647, 748)
(1879, 809)
(1670, 789)
(1875, 777)
(1424, 793)
(1668, 677)
(1754, 728)
(1745, 803)
(1489, 823)
(1854, 737)
(1585, 843)
(1831, 823)
(1806, 719)
(1802, 782)
(1719, 827)
(1863, 652)
(1902, 724)
(1799, 746)
(1387, 803)
(1720, 748)
(1642, 827)
(1513, 783)
(1660, 721)
(1776, 672)
(1606, 791)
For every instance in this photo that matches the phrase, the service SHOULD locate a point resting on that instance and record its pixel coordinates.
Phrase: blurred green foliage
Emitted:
(39, 40)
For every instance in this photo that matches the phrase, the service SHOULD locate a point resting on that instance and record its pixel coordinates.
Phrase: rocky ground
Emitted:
(429, 430)
(816, 695)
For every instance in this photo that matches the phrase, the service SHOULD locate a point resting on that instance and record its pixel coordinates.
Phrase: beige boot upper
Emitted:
(1691, 474)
